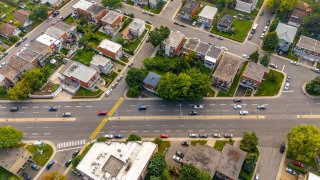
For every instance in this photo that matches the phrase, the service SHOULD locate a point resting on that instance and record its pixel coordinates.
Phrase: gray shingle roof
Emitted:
(152, 79)
(286, 32)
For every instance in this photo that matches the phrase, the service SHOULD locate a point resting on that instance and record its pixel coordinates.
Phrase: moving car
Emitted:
(185, 143)
(66, 114)
(179, 154)
(198, 106)
(220, 38)
(216, 135)
(75, 153)
(142, 107)
(68, 163)
(263, 106)
(237, 107)
(286, 86)
(148, 22)
(193, 113)
(282, 148)
(298, 163)
(14, 109)
(176, 158)
(118, 136)
(108, 136)
(50, 164)
(243, 112)
(290, 171)
(164, 135)
(228, 135)
(193, 135)
(294, 63)
(102, 113)
(203, 136)
(53, 108)
(237, 100)
(35, 166)
(273, 65)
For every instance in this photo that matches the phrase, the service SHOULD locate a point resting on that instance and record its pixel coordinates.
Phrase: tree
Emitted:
(274, 24)
(287, 5)
(54, 175)
(157, 165)
(265, 60)
(311, 25)
(304, 142)
(158, 35)
(158, 141)
(190, 172)
(76, 160)
(273, 5)
(134, 91)
(10, 137)
(135, 77)
(13, 39)
(134, 137)
(190, 57)
(200, 84)
(112, 4)
(254, 56)
(39, 12)
(249, 142)
(270, 41)
(250, 162)
(313, 87)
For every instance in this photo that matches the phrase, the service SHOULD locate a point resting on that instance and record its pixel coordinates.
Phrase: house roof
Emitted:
(255, 71)
(21, 15)
(309, 43)
(95, 9)
(111, 16)
(231, 161)
(38, 47)
(51, 2)
(82, 4)
(295, 20)
(299, 13)
(191, 44)
(136, 24)
(46, 39)
(152, 79)
(7, 29)
(226, 20)
(227, 67)
(28, 54)
(64, 26)
(189, 6)
(54, 32)
(248, 1)
(99, 60)
(110, 45)
(9, 72)
(214, 52)
(18, 63)
(286, 32)
(174, 38)
(311, 176)
(78, 71)
(202, 48)
(208, 12)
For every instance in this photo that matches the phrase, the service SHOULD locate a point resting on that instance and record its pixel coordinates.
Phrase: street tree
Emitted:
(112, 4)
(39, 12)
(135, 77)
(190, 172)
(304, 143)
(200, 84)
(54, 175)
(274, 24)
(10, 137)
(313, 87)
(254, 56)
(265, 60)
(158, 35)
(157, 165)
(249, 142)
(134, 137)
(270, 41)
(273, 5)
(311, 25)
(250, 162)
(20, 91)
(287, 5)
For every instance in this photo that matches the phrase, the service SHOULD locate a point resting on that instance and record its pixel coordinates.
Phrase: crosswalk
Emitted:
(71, 144)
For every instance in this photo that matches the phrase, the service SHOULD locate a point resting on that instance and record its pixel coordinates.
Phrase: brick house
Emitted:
(93, 11)
(189, 9)
(151, 81)
(173, 44)
(253, 75)
(110, 49)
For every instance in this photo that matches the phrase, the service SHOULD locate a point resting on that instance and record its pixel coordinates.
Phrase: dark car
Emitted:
(193, 113)
(68, 163)
(282, 148)
(23, 39)
(179, 154)
(18, 44)
(26, 176)
(74, 154)
(203, 136)
(53, 108)
(148, 22)
(227, 135)
(14, 109)
(237, 100)
(4, 54)
(185, 143)
(75, 172)
(50, 164)
(118, 136)
(55, 13)
(142, 107)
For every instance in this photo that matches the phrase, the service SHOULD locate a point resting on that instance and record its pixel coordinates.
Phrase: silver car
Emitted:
(237, 107)
(216, 135)
(243, 112)
(176, 158)
(263, 106)
(193, 135)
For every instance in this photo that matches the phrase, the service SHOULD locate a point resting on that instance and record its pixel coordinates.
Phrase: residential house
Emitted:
(56, 33)
(230, 163)
(93, 11)
(31, 56)
(286, 34)
(151, 81)
(111, 22)
(141, 2)
(23, 17)
(297, 17)
(52, 43)
(308, 48)
(253, 75)
(225, 23)
(246, 6)
(189, 9)
(7, 30)
(206, 16)
(154, 3)
(70, 30)
(226, 71)
(136, 28)
(102, 64)
(51, 3)
(4, 83)
(74, 74)
(117, 160)
(14, 159)
(311, 176)
(41, 49)
(111, 49)
(173, 44)
(212, 56)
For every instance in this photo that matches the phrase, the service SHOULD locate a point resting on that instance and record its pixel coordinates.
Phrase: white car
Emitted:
(237, 107)
(119, 11)
(245, 56)
(216, 135)
(263, 106)
(4, 64)
(108, 92)
(286, 86)
(108, 136)
(176, 158)
(224, 48)
(26, 45)
(265, 29)
(262, 35)
(257, 177)
(193, 135)
(273, 66)
(243, 112)
(198, 106)
(294, 63)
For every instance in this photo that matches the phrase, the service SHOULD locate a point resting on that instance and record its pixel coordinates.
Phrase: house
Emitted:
(206, 16)
(52, 43)
(286, 34)
(153, 3)
(31, 56)
(230, 163)
(56, 33)
(136, 28)
(23, 17)
(41, 49)
(189, 9)
(51, 3)
(246, 6)
(173, 44)
(89, 9)
(74, 74)
(225, 72)
(297, 17)
(311, 176)
(253, 75)
(212, 56)
(117, 160)
(141, 2)
(308, 48)
(110, 49)
(102, 64)
(151, 81)
(70, 30)
(7, 30)
(225, 23)
(111, 22)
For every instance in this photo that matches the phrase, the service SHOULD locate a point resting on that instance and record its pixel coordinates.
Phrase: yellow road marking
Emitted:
(115, 107)
(308, 116)
(98, 129)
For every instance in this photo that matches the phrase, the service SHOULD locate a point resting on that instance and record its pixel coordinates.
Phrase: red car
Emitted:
(164, 135)
(297, 163)
(100, 113)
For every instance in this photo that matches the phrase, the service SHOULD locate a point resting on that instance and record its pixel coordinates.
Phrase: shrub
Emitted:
(296, 168)
(101, 139)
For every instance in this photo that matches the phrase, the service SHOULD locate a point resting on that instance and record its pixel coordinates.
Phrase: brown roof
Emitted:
(227, 67)
(299, 13)
(7, 29)
(18, 63)
(255, 71)
(38, 47)
(21, 15)
(95, 9)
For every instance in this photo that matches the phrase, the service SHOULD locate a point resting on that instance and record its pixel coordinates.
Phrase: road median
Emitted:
(310, 116)
(37, 119)
(143, 118)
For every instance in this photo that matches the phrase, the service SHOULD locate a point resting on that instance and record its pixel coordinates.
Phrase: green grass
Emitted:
(131, 3)
(84, 56)
(318, 65)
(8, 10)
(109, 78)
(7, 175)
(148, 26)
(163, 146)
(134, 45)
(234, 84)
(201, 142)
(219, 144)
(101, 36)
(86, 149)
(40, 159)
(242, 28)
(85, 93)
(269, 88)
(155, 10)
(69, 20)
(126, 22)
(211, 93)
(292, 57)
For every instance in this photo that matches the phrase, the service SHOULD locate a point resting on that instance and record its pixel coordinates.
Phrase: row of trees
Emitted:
(158, 35)
(10, 137)
(249, 144)
(255, 58)
(281, 5)
(313, 87)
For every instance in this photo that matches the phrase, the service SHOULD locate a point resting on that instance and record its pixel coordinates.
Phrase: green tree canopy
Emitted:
(39, 12)
(273, 4)
(158, 35)
(250, 162)
(112, 4)
(270, 41)
(287, 5)
(249, 142)
(313, 87)
(157, 165)
(254, 56)
(10, 137)
(304, 142)
(311, 24)
(134, 137)
(54, 175)
(76, 160)
(265, 60)
(190, 172)
(135, 77)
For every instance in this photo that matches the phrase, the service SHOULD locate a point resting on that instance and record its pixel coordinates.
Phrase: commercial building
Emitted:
(117, 160)
(93, 11)
(173, 44)
(102, 64)
(206, 16)
(308, 48)
(253, 75)
(246, 6)
(151, 81)
(225, 23)
(189, 9)
(110, 49)
(286, 34)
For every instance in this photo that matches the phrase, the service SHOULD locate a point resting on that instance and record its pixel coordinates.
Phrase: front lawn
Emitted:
(84, 56)
(201, 142)
(219, 144)
(242, 27)
(109, 78)
(85, 93)
(69, 20)
(155, 10)
(40, 159)
(271, 85)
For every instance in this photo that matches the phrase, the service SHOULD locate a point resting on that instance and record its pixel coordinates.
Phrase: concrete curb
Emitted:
(306, 93)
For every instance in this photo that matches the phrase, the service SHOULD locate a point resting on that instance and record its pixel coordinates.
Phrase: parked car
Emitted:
(237, 100)
(263, 106)
(148, 22)
(18, 44)
(203, 136)
(294, 63)
(26, 176)
(237, 107)
(53, 108)
(182, 25)
(220, 38)
(55, 13)
(288, 78)
(75, 153)
(193, 135)
(316, 70)
(35, 166)
(243, 112)
(118, 136)
(118, 10)
(262, 35)
(176, 158)
(198, 106)
(66, 114)
(119, 78)
(257, 177)
(142, 107)
(212, 35)
(250, 36)
(193, 113)
(102, 113)
(282, 148)
(216, 135)
(273, 66)
(268, 23)
(108, 92)
(68, 163)
(24, 39)
(290, 171)
(150, 14)
(50, 164)
(261, 13)
(179, 154)
(4, 54)
(130, 64)
(185, 143)
(224, 48)
(265, 29)
(298, 163)
(109, 136)
(74, 171)
(14, 109)
(245, 56)
(228, 135)
(286, 86)
(164, 135)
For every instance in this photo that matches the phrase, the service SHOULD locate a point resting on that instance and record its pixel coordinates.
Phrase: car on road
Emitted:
(51, 163)
(75, 153)
(237, 100)
(220, 37)
(35, 166)
(288, 78)
(142, 107)
(164, 135)
(228, 135)
(102, 113)
(61, 18)
(257, 177)
(262, 35)
(18, 44)
(286, 86)
(203, 136)
(193, 113)
(212, 35)
(150, 14)
(24, 39)
(68, 163)
(55, 13)
(179, 154)
(224, 48)
(53, 108)
(74, 171)
(185, 143)
(118, 136)
(177, 158)
(130, 64)
(290, 171)
(261, 13)
(118, 10)
(263, 106)
(108, 92)
(273, 65)
(198, 106)
(282, 148)
(294, 63)
(315, 70)
(298, 163)
(4, 54)
(245, 56)
(48, 19)
(4, 64)
(237, 107)
(176, 23)
(119, 78)
(243, 112)
(193, 135)
(109, 136)
(216, 135)
(14, 109)
(144, 12)
(66, 114)
(148, 22)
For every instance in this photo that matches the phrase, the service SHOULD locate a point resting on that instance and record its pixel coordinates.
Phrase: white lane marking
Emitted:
(160, 110)
(29, 127)
(3, 107)
(167, 131)
(283, 67)
(145, 131)
(318, 103)
(290, 91)
(36, 112)
(225, 110)
(209, 110)
(45, 107)
(190, 130)
(61, 150)
(34, 134)
(78, 106)
(222, 104)
(46, 133)
(20, 112)
(212, 104)
(178, 130)
(254, 104)
(181, 125)
(213, 125)
(164, 125)
(67, 106)
(25, 107)
(114, 126)
(156, 131)
(35, 107)
(88, 106)
(201, 130)
(132, 105)
(45, 127)
(148, 125)
(163, 105)
(231, 130)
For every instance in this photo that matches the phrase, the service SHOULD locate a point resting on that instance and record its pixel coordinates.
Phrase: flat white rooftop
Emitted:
(82, 4)
(46, 39)
(110, 45)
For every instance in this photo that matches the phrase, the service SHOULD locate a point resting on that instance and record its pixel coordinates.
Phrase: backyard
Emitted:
(109, 78)
(40, 159)
(271, 85)
(84, 56)
(242, 28)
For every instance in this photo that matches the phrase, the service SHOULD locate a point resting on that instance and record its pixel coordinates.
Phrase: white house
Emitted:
(102, 64)
(246, 6)
(206, 16)
(136, 28)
